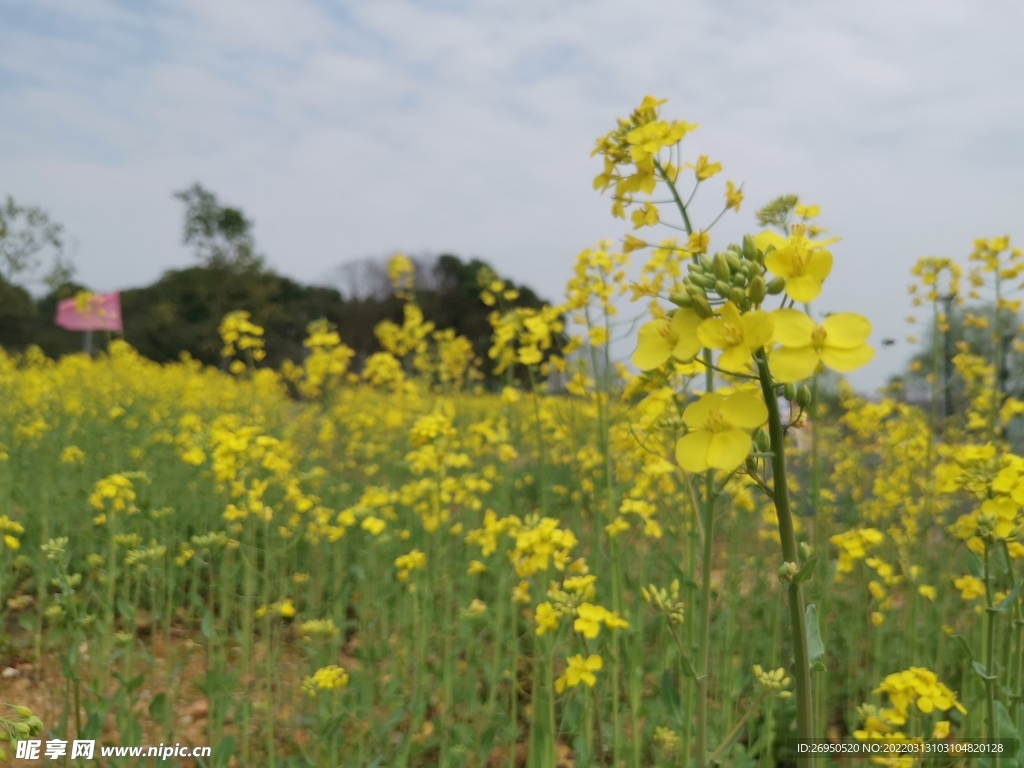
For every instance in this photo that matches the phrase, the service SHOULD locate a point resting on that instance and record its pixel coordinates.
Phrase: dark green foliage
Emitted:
(181, 312)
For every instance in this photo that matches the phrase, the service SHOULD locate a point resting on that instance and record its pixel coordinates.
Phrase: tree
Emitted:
(26, 233)
(221, 235)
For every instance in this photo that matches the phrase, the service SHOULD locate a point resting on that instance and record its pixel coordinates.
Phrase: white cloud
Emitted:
(386, 124)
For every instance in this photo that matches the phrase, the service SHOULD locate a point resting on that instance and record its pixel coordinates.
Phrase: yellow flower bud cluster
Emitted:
(330, 678)
(665, 600)
(774, 681)
(241, 336)
(407, 563)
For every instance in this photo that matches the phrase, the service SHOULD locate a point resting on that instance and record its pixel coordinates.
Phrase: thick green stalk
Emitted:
(991, 727)
(704, 619)
(802, 671)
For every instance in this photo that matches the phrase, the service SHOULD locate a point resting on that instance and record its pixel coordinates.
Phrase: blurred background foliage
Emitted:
(181, 311)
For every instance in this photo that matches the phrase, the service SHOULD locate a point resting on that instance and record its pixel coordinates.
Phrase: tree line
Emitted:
(180, 312)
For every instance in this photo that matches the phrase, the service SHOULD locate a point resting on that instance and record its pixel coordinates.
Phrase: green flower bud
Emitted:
(762, 440)
(739, 298)
(4, 735)
(790, 392)
(722, 269)
(803, 396)
(757, 289)
(702, 308)
(804, 549)
(739, 278)
(708, 281)
(751, 464)
(681, 299)
(749, 249)
(776, 286)
(723, 289)
(734, 263)
(23, 711)
(705, 262)
(696, 290)
(733, 248)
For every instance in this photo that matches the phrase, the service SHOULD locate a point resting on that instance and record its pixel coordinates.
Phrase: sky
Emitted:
(350, 130)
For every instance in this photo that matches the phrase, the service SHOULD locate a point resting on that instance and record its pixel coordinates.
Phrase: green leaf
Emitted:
(1005, 729)
(92, 726)
(1009, 600)
(69, 672)
(980, 671)
(27, 621)
(807, 570)
(815, 647)
(223, 751)
(158, 707)
(975, 565)
(962, 647)
(669, 695)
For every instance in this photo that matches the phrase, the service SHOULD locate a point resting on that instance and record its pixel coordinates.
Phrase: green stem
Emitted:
(704, 619)
(991, 729)
(802, 670)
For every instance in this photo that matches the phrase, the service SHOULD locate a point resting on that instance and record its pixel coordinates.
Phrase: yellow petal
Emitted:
(757, 329)
(696, 414)
(653, 347)
(594, 662)
(684, 325)
(790, 364)
(781, 262)
(743, 409)
(819, 265)
(846, 330)
(728, 449)
(791, 328)
(692, 450)
(804, 288)
(844, 360)
(768, 238)
(735, 359)
(711, 333)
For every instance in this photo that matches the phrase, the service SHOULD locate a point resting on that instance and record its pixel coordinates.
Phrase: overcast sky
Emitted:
(355, 129)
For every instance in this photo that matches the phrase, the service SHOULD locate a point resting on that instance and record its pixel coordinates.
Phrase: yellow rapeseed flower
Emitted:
(803, 263)
(662, 339)
(580, 670)
(838, 343)
(737, 335)
(720, 427)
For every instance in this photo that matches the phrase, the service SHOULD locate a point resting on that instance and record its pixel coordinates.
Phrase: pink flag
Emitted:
(91, 312)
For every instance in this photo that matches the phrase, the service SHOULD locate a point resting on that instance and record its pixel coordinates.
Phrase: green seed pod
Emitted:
(734, 262)
(789, 392)
(722, 269)
(723, 289)
(749, 249)
(757, 289)
(776, 286)
(681, 299)
(762, 440)
(803, 396)
(702, 308)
